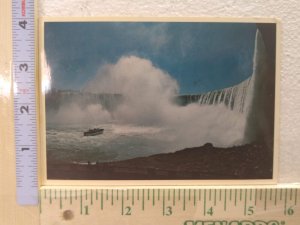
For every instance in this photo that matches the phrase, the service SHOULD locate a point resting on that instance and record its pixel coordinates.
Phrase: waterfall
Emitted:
(253, 97)
(237, 98)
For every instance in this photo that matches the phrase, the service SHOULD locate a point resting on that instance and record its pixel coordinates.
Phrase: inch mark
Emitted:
(275, 197)
(266, 196)
(204, 203)
(173, 197)
(143, 200)
(102, 199)
(245, 203)
(225, 199)
(285, 201)
(215, 197)
(235, 196)
(183, 199)
(296, 196)
(195, 197)
(132, 197)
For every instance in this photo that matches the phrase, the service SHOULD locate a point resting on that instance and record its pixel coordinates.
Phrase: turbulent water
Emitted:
(143, 118)
(116, 143)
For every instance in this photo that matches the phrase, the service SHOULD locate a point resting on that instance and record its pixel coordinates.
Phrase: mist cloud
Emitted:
(148, 94)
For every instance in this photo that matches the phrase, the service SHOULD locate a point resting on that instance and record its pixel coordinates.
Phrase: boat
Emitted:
(93, 132)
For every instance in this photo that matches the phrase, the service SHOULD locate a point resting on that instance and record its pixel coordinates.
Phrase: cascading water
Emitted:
(235, 97)
(240, 98)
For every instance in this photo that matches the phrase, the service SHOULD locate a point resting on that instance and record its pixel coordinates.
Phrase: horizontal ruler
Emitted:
(176, 206)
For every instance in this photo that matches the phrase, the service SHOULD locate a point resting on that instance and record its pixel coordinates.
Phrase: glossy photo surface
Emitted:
(159, 100)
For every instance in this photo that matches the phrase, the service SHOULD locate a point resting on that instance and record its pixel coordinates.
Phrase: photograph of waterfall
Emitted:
(159, 100)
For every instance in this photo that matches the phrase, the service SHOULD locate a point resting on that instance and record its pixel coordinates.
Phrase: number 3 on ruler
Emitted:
(23, 66)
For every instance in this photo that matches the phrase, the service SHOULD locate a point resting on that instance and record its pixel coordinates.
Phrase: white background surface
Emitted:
(288, 11)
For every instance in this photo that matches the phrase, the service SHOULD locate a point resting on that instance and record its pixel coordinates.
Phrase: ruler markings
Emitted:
(173, 197)
(102, 198)
(296, 196)
(163, 207)
(122, 202)
(195, 197)
(265, 201)
(204, 203)
(245, 203)
(132, 197)
(285, 201)
(225, 199)
(183, 199)
(275, 198)
(81, 202)
(215, 197)
(143, 202)
(71, 197)
(235, 197)
(153, 196)
(188, 199)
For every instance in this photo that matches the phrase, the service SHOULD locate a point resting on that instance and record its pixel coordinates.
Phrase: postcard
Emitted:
(159, 100)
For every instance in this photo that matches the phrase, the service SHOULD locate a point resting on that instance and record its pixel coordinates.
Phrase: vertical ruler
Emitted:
(170, 206)
(23, 28)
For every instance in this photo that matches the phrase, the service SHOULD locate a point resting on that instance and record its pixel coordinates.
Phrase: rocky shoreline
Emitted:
(251, 161)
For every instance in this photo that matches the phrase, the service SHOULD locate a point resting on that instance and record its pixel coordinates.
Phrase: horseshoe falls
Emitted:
(247, 98)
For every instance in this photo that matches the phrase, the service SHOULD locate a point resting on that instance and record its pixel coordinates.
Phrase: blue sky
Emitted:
(200, 56)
